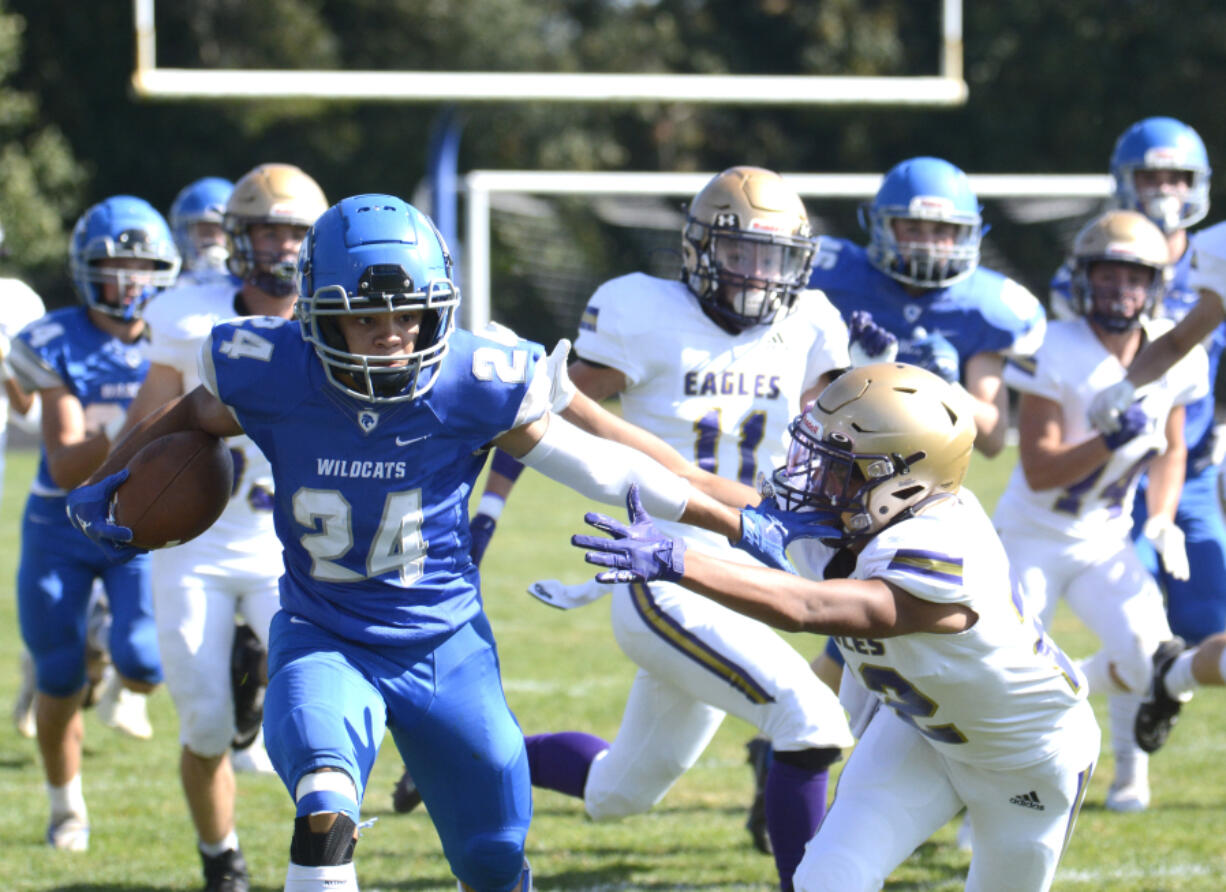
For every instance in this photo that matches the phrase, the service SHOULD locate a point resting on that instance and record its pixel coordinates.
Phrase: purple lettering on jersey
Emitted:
(691, 383)
(709, 387)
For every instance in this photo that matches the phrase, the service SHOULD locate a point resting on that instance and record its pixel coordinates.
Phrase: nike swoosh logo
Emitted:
(400, 442)
(299, 620)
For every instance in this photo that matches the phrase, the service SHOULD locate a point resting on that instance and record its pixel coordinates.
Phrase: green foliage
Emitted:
(562, 670)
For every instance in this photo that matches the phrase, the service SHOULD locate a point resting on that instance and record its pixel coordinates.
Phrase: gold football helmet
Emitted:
(1119, 236)
(747, 248)
(878, 441)
(269, 193)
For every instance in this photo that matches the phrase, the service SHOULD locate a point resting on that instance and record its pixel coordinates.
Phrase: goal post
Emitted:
(482, 186)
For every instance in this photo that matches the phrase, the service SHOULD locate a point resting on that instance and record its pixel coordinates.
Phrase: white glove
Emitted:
(1108, 404)
(1168, 541)
(568, 597)
(561, 388)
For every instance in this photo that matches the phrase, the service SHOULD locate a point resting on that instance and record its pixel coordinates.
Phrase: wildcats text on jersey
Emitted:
(376, 470)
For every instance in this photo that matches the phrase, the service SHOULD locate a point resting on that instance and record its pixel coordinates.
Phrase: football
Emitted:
(177, 486)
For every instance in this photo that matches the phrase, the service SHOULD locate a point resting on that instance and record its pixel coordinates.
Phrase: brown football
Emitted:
(177, 486)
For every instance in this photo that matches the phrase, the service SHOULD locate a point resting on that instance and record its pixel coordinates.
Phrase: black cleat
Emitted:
(1159, 710)
(405, 797)
(247, 662)
(226, 872)
(759, 750)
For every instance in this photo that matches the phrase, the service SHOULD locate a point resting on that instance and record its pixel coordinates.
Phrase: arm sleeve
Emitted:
(603, 470)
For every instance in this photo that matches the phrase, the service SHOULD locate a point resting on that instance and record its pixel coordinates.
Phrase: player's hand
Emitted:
(1131, 422)
(561, 388)
(567, 597)
(1108, 405)
(638, 552)
(868, 342)
(89, 509)
(480, 530)
(767, 531)
(935, 353)
(1169, 541)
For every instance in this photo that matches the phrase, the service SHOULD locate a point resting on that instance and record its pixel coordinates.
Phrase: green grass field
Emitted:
(562, 671)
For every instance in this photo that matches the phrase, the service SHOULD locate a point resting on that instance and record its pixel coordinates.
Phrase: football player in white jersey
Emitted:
(232, 569)
(21, 306)
(1065, 516)
(984, 711)
(715, 365)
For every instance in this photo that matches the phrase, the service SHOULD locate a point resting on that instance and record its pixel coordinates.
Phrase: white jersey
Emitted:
(724, 400)
(999, 695)
(178, 322)
(21, 307)
(1069, 369)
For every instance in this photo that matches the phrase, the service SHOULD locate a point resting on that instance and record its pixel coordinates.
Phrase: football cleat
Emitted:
(405, 797)
(226, 872)
(68, 832)
(1159, 711)
(1128, 795)
(124, 710)
(247, 658)
(759, 750)
(23, 706)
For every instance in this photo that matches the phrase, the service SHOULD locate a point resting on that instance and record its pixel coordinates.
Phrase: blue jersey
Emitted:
(66, 349)
(1178, 300)
(983, 313)
(372, 499)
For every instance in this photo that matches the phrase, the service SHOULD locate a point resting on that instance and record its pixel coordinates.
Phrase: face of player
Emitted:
(934, 234)
(274, 244)
(125, 279)
(1119, 289)
(751, 270)
(1162, 191)
(381, 334)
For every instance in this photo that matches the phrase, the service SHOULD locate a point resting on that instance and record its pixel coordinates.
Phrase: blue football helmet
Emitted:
(924, 189)
(202, 201)
(121, 226)
(376, 254)
(1162, 144)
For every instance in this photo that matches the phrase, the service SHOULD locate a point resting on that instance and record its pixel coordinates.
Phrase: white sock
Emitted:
(213, 849)
(1130, 760)
(1179, 680)
(335, 878)
(68, 799)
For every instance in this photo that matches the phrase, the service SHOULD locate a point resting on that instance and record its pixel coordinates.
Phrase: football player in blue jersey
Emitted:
(195, 220)
(85, 365)
(1160, 168)
(377, 415)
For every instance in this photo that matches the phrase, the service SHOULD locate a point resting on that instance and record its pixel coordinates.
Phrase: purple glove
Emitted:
(89, 509)
(767, 531)
(868, 341)
(480, 530)
(638, 552)
(1133, 422)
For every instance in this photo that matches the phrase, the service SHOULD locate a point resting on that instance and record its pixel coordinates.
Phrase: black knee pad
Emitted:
(309, 849)
(811, 759)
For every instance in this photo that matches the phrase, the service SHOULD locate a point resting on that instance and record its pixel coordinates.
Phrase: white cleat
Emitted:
(1128, 795)
(252, 759)
(124, 710)
(68, 832)
(23, 707)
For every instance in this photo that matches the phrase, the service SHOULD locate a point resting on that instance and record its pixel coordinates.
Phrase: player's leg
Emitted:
(464, 749)
(1121, 604)
(249, 673)
(323, 723)
(195, 622)
(1024, 818)
(133, 639)
(1196, 607)
(53, 584)
(1178, 672)
(723, 659)
(892, 795)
